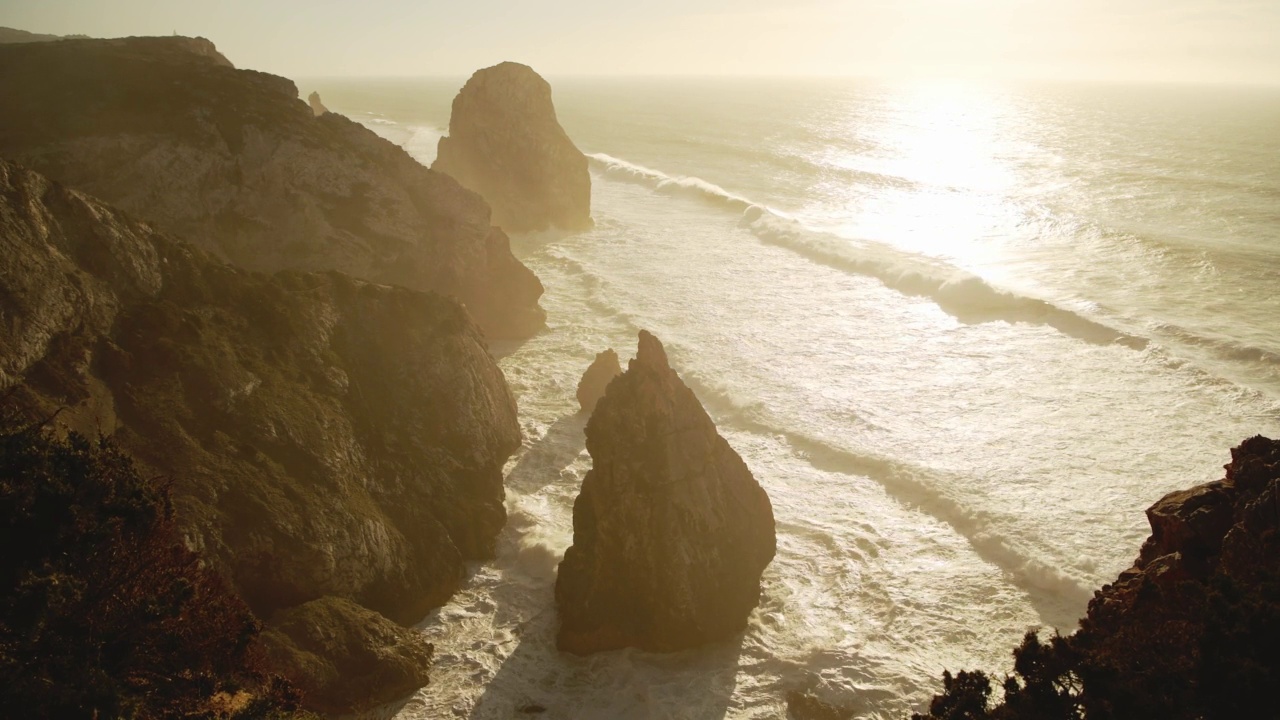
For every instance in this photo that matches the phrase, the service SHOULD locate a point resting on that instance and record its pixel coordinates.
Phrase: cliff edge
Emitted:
(327, 437)
(234, 162)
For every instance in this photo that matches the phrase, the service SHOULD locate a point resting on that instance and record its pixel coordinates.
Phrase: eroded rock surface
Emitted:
(345, 657)
(317, 107)
(671, 532)
(232, 160)
(596, 379)
(505, 143)
(327, 437)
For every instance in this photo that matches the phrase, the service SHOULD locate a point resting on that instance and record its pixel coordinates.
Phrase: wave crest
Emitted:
(692, 187)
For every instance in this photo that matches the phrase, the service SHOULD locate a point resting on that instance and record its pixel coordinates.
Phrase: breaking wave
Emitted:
(963, 295)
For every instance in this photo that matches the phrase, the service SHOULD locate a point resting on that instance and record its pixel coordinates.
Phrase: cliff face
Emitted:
(326, 436)
(233, 161)
(505, 143)
(671, 533)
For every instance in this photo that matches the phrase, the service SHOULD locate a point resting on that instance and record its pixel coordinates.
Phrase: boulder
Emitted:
(344, 657)
(505, 143)
(601, 372)
(231, 160)
(671, 532)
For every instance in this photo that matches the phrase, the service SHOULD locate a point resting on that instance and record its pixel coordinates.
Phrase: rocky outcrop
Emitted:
(596, 379)
(234, 162)
(344, 657)
(1227, 529)
(317, 107)
(505, 143)
(326, 437)
(671, 533)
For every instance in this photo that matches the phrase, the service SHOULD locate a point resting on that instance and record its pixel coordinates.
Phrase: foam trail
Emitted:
(963, 295)
(1059, 595)
(696, 188)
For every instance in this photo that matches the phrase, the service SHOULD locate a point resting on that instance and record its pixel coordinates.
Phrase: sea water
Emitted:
(963, 335)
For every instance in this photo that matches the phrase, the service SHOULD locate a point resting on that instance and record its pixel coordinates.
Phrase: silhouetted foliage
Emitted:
(105, 613)
(1191, 633)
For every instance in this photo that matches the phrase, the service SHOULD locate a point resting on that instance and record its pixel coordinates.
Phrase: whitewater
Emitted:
(962, 335)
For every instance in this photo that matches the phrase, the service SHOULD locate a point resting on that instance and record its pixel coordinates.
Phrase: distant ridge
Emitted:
(13, 35)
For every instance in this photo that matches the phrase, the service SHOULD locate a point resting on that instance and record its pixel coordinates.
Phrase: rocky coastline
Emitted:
(288, 319)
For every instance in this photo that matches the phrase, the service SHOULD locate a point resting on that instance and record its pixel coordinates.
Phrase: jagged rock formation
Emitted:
(345, 657)
(1190, 632)
(671, 533)
(597, 378)
(326, 436)
(233, 161)
(505, 143)
(317, 107)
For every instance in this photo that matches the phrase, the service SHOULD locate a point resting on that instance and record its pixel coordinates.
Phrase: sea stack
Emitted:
(505, 143)
(671, 532)
(317, 107)
(597, 378)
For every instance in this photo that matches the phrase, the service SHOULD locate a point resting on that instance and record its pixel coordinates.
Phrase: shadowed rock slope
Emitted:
(233, 161)
(671, 533)
(1190, 632)
(596, 379)
(505, 143)
(327, 437)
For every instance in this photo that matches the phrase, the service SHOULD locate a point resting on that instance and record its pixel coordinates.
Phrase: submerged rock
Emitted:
(317, 107)
(597, 378)
(671, 532)
(505, 143)
(233, 162)
(327, 437)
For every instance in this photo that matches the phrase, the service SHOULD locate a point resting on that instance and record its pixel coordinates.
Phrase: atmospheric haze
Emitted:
(1198, 41)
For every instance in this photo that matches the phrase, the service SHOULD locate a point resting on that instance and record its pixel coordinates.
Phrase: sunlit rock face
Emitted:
(596, 379)
(505, 143)
(327, 437)
(234, 162)
(671, 532)
(317, 107)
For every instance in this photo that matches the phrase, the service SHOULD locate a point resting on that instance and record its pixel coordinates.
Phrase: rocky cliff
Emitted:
(671, 533)
(235, 162)
(596, 379)
(1190, 632)
(327, 437)
(505, 143)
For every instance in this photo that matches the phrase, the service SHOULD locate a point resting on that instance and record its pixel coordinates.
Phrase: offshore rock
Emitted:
(345, 657)
(505, 143)
(671, 532)
(325, 436)
(317, 107)
(597, 378)
(232, 160)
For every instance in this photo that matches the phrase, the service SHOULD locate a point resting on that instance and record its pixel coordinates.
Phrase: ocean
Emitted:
(963, 334)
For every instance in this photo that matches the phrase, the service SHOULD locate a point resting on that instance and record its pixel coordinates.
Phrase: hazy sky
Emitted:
(1190, 40)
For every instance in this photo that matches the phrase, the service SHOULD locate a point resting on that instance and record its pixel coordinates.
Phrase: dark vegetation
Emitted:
(1192, 631)
(105, 612)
